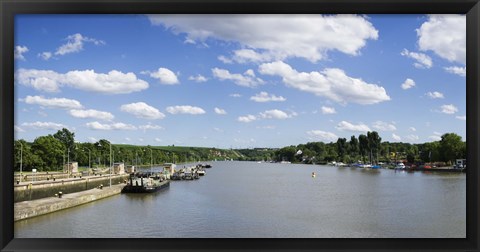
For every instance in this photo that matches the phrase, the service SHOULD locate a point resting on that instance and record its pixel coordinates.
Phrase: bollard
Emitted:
(18, 182)
(75, 176)
(124, 181)
(101, 186)
(60, 194)
(53, 179)
(48, 179)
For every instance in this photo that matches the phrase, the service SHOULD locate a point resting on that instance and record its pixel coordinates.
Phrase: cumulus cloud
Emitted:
(235, 95)
(61, 103)
(19, 51)
(165, 76)
(302, 36)
(423, 60)
(396, 137)
(114, 82)
(383, 126)
(461, 71)
(16, 128)
(328, 110)
(198, 78)
(435, 95)
(435, 138)
(275, 114)
(463, 118)
(220, 111)
(142, 110)
(110, 126)
(75, 44)
(449, 109)
(412, 138)
(265, 97)
(45, 55)
(91, 113)
(247, 118)
(246, 79)
(445, 35)
(409, 83)
(44, 125)
(412, 129)
(331, 83)
(323, 136)
(347, 126)
(150, 127)
(185, 109)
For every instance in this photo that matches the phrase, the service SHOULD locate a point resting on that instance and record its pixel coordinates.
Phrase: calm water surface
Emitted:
(245, 199)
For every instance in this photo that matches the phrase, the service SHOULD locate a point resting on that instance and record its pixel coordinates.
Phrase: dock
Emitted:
(33, 208)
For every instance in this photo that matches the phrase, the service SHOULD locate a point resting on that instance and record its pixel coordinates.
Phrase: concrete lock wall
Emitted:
(49, 188)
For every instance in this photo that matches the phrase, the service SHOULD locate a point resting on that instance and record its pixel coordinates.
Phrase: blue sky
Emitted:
(236, 81)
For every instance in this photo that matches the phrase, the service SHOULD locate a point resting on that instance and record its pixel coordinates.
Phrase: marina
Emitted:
(250, 199)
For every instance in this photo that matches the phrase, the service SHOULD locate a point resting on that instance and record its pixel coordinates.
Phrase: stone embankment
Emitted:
(33, 208)
(33, 190)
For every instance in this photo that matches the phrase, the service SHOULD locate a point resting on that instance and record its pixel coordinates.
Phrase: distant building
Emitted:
(71, 167)
(130, 169)
(118, 168)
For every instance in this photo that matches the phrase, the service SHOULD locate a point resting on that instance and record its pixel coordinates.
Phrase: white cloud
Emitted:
(445, 35)
(412, 129)
(346, 126)
(110, 126)
(302, 36)
(218, 129)
(91, 113)
(396, 137)
(18, 129)
(165, 76)
(142, 110)
(158, 140)
(435, 95)
(323, 136)
(412, 138)
(62, 103)
(331, 83)
(246, 79)
(449, 109)
(92, 139)
(19, 51)
(236, 95)
(435, 138)
(225, 60)
(409, 83)
(75, 44)
(114, 82)
(45, 55)
(185, 109)
(265, 97)
(383, 126)
(44, 125)
(220, 111)
(463, 118)
(423, 60)
(462, 71)
(275, 114)
(198, 78)
(150, 127)
(247, 118)
(328, 110)
(269, 127)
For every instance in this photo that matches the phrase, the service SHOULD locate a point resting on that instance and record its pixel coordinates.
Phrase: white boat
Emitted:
(399, 165)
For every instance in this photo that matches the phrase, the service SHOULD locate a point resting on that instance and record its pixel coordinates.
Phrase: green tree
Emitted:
(363, 146)
(451, 146)
(353, 146)
(342, 148)
(50, 150)
(374, 142)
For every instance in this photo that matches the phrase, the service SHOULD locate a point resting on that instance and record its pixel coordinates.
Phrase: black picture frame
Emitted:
(9, 8)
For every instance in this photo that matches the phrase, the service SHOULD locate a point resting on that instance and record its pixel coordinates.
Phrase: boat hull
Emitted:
(146, 189)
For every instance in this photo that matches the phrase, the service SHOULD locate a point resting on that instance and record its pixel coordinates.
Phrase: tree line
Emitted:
(51, 152)
(370, 148)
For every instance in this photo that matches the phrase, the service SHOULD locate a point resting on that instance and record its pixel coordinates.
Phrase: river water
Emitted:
(247, 199)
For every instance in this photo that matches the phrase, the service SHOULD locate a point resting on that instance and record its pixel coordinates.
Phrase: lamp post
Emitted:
(21, 160)
(110, 162)
(151, 160)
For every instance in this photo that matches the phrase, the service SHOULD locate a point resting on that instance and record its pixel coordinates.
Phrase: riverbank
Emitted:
(28, 209)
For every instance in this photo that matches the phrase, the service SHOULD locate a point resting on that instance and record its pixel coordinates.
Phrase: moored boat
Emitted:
(145, 183)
